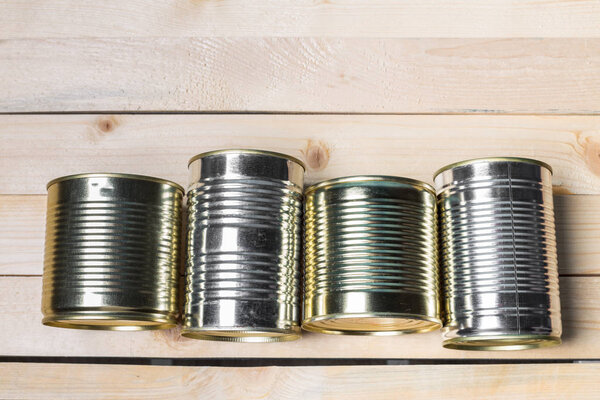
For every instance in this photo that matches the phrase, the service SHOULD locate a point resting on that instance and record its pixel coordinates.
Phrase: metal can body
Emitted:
(244, 223)
(371, 257)
(112, 252)
(499, 258)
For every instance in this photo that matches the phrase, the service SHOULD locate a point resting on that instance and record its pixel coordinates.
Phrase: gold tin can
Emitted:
(244, 240)
(498, 249)
(370, 257)
(112, 252)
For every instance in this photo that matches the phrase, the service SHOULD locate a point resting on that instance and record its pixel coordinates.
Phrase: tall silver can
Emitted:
(498, 247)
(244, 225)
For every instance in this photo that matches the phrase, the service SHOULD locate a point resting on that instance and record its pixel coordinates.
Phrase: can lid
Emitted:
(492, 159)
(247, 151)
(371, 178)
(114, 175)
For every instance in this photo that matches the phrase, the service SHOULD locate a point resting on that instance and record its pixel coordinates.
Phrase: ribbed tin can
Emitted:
(370, 257)
(498, 250)
(112, 252)
(244, 240)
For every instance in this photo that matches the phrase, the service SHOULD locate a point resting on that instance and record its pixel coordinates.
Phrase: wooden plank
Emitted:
(22, 222)
(22, 334)
(22, 230)
(358, 18)
(491, 382)
(578, 234)
(549, 76)
(37, 148)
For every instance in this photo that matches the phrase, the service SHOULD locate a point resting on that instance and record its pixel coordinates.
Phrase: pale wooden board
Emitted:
(301, 74)
(22, 229)
(37, 148)
(23, 334)
(451, 382)
(347, 18)
(22, 223)
(578, 234)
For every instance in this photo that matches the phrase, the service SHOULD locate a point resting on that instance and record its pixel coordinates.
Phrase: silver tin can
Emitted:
(498, 250)
(244, 225)
(112, 252)
(371, 257)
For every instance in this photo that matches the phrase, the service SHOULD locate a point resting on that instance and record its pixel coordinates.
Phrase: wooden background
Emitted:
(348, 86)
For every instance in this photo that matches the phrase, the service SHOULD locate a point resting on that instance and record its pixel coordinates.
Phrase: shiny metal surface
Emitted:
(371, 257)
(112, 252)
(244, 222)
(498, 251)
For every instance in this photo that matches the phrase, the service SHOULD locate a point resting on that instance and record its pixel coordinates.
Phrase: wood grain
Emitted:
(578, 234)
(38, 148)
(22, 222)
(22, 230)
(23, 334)
(345, 18)
(451, 382)
(546, 76)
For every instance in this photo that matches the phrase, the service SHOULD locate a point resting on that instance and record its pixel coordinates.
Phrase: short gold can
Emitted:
(112, 252)
(371, 257)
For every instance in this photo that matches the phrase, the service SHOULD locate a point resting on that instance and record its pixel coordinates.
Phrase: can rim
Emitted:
(121, 321)
(114, 175)
(371, 178)
(475, 160)
(501, 342)
(247, 151)
(308, 324)
(243, 335)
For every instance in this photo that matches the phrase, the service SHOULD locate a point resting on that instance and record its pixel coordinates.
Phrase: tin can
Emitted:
(244, 223)
(371, 257)
(112, 252)
(498, 250)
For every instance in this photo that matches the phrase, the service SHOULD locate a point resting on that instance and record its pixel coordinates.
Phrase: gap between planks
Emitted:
(455, 382)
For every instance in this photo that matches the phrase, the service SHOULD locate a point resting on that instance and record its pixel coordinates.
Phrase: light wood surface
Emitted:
(22, 230)
(22, 223)
(301, 77)
(22, 334)
(555, 76)
(38, 148)
(451, 382)
(346, 18)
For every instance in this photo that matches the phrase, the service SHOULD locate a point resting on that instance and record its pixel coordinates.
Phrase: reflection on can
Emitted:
(498, 251)
(244, 222)
(370, 257)
(112, 252)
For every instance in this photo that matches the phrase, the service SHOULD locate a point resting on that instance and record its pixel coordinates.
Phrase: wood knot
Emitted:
(592, 156)
(170, 337)
(107, 124)
(317, 156)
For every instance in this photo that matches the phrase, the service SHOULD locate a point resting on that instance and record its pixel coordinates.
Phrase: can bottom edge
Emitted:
(243, 335)
(371, 324)
(502, 342)
(109, 323)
